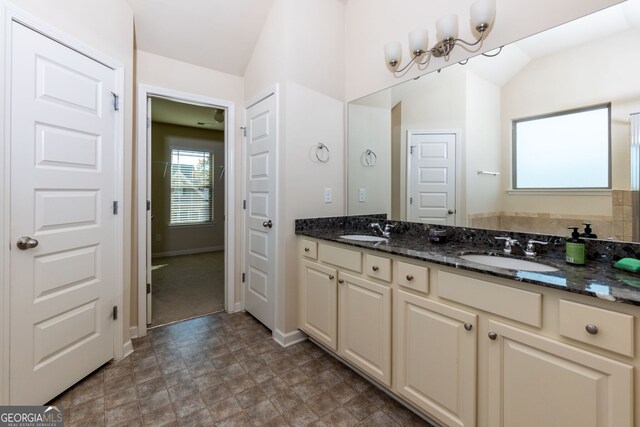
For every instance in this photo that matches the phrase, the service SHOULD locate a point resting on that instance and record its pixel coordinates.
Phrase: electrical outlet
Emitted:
(328, 196)
(362, 195)
(158, 237)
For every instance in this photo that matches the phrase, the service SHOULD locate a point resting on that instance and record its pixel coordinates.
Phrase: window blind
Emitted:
(191, 187)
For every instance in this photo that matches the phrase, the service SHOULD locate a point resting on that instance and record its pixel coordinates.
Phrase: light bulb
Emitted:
(483, 13)
(447, 27)
(393, 53)
(418, 42)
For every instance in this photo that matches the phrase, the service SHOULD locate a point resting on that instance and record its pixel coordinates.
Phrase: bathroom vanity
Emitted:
(468, 344)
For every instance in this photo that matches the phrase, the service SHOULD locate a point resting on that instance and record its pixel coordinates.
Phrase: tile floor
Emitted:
(225, 370)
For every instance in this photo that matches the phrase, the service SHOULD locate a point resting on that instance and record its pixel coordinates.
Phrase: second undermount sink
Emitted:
(509, 263)
(363, 238)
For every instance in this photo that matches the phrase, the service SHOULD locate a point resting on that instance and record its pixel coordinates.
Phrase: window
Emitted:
(564, 150)
(191, 187)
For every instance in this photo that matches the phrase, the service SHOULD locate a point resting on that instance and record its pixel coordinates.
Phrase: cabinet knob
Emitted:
(492, 335)
(591, 328)
(306, 249)
(375, 268)
(340, 281)
(468, 326)
(331, 277)
(409, 277)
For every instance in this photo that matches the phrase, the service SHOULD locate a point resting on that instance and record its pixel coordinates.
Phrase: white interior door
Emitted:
(260, 228)
(62, 192)
(431, 177)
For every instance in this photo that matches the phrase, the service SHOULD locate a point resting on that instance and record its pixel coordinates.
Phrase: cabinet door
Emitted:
(318, 303)
(536, 381)
(365, 326)
(436, 365)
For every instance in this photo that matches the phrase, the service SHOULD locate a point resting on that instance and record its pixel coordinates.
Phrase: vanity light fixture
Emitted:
(482, 14)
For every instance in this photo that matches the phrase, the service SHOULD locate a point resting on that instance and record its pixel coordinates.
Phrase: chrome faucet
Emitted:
(531, 247)
(384, 233)
(509, 244)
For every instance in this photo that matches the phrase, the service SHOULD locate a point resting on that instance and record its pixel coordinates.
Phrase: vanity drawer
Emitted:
(413, 276)
(309, 249)
(512, 303)
(596, 326)
(378, 267)
(341, 257)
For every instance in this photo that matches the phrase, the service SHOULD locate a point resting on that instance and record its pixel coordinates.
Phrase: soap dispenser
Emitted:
(575, 248)
(588, 232)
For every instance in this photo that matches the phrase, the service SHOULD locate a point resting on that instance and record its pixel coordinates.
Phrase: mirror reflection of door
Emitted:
(431, 177)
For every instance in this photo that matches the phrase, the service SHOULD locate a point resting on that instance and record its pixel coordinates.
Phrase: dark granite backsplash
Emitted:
(606, 251)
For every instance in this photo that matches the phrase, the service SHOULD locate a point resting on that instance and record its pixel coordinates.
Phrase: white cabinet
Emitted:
(536, 381)
(364, 319)
(319, 303)
(436, 358)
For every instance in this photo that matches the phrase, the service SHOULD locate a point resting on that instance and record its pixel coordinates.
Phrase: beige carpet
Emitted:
(186, 286)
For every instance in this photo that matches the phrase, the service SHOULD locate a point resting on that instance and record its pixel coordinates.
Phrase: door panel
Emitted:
(319, 302)
(62, 189)
(260, 228)
(431, 180)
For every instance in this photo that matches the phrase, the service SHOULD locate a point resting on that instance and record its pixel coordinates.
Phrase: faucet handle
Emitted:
(508, 242)
(388, 227)
(531, 247)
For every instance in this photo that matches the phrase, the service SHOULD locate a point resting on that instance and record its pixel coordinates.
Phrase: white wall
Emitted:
(557, 82)
(370, 24)
(369, 128)
(168, 73)
(301, 50)
(107, 26)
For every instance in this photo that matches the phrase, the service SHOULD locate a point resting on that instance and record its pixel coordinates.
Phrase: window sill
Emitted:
(561, 192)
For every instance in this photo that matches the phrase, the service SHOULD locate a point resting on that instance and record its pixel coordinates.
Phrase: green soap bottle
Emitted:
(575, 248)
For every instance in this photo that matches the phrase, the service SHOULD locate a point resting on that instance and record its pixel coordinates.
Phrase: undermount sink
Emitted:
(363, 238)
(509, 263)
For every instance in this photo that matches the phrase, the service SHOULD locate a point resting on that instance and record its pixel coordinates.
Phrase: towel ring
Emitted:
(320, 153)
(368, 158)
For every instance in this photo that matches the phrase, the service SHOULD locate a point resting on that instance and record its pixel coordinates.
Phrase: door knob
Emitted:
(26, 242)
(267, 224)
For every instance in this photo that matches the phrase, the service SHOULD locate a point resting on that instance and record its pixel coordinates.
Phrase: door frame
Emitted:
(143, 150)
(8, 14)
(272, 90)
(458, 163)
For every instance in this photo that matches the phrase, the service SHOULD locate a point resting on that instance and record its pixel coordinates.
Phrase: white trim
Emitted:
(127, 349)
(133, 332)
(289, 339)
(144, 91)
(188, 251)
(280, 229)
(459, 214)
(8, 14)
(561, 192)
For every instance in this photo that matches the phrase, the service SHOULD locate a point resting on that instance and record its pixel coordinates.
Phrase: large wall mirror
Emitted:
(439, 148)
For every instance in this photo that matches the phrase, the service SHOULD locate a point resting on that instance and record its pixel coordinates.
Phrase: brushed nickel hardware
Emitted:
(306, 249)
(492, 335)
(591, 328)
(451, 211)
(375, 268)
(340, 281)
(468, 326)
(331, 277)
(409, 277)
(531, 247)
(26, 242)
(267, 224)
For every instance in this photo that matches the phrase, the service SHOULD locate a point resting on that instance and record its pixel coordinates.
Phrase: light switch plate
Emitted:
(328, 196)
(362, 195)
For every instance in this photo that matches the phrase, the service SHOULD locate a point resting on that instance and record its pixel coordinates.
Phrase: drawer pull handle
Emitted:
(468, 326)
(409, 277)
(340, 281)
(306, 249)
(331, 277)
(493, 336)
(592, 329)
(375, 268)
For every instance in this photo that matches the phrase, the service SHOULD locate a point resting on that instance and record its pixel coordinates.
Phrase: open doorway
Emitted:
(187, 210)
(224, 218)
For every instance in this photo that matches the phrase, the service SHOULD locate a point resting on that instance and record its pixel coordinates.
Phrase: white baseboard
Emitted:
(187, 251)
(288, 339)
(127, 349)
(237, 307)
(133, 332)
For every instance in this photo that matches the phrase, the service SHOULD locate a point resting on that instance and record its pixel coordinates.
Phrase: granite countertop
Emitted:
(596, 279)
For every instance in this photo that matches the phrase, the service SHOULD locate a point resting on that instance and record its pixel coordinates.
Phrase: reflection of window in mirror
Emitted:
(563, 150)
